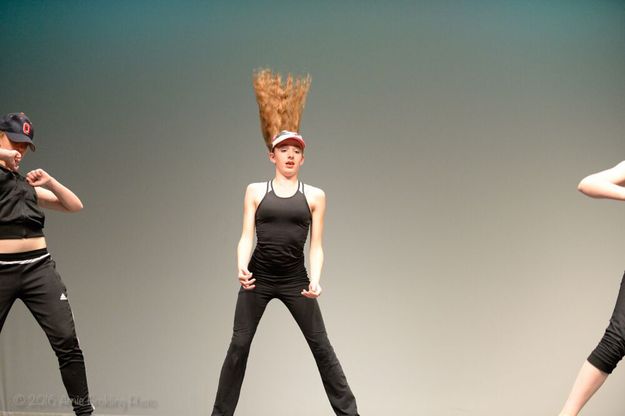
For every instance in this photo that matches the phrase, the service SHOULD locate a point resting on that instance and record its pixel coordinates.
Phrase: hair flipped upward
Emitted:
(280, 105)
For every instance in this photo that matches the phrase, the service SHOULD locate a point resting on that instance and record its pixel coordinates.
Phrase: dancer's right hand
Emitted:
(245, 278)
(11, 157)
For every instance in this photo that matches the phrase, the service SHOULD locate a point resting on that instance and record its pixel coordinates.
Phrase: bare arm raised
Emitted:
(51, 193)
(11, 158)
(608, 183)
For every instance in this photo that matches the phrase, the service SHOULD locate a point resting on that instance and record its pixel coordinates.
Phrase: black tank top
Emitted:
(20, 215)
(282, 226)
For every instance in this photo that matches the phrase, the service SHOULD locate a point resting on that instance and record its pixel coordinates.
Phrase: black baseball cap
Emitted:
(18, 128)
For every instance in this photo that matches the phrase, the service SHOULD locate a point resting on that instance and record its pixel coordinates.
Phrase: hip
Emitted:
(278, 272)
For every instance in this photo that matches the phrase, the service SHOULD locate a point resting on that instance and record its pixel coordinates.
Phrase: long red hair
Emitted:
(280, 104)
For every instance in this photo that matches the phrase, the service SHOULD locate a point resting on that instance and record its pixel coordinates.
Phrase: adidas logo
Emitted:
(63, 297)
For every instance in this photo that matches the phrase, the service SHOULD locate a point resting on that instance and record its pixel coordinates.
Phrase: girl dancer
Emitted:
(27, 271)
(611, 349)
(281, 211)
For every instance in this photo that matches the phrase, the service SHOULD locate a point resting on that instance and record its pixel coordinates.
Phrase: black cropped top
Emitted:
(20, 215)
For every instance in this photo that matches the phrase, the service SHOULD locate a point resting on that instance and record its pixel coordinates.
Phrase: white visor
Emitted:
(285, 135)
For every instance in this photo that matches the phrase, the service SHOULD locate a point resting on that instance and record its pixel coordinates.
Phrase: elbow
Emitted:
(316, 250)
(584, 186)
(245, 241)
(76, 207)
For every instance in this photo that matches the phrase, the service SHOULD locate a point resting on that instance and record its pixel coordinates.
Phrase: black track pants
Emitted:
(611, 348)
(36, 282)
(250, 307)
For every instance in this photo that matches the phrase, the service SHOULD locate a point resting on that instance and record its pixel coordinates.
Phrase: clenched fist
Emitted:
(38, 177)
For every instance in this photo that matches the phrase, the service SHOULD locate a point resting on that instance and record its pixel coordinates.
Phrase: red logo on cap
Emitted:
(26, 128)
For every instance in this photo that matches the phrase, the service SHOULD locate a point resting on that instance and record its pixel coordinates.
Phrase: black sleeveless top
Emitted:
(282, 226)
(20, 215)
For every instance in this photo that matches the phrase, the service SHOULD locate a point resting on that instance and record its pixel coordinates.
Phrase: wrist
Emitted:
(52, 185)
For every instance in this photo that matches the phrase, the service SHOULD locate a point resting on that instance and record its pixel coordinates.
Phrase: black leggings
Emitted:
(32, 277)
(250, 307)
(611, 349)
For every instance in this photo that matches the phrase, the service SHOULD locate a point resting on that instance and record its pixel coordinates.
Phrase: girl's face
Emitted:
(288, 156)
(6, 143)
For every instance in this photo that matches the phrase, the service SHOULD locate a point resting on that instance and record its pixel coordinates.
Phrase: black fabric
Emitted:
(282, 226)
(611, 348)
(41, 289)
(20, 215)
(25, 255)
(250, 307)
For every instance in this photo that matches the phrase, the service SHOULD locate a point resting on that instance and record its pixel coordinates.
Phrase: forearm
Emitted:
(597, 188)
(244, 252)
(316, 264)
(66, 197)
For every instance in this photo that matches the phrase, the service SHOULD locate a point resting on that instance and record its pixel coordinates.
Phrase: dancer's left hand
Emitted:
(38, 177)
(314, 291)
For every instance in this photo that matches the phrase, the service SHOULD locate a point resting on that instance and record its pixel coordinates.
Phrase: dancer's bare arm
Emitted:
(11, 158)
(51, 193)
(244, 249)
(317, 200)
(605, 184)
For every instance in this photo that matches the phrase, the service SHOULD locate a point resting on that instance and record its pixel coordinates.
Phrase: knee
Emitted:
(318, 340)
(321, 348)
(240, 343)
(67, 348)
(239, 350)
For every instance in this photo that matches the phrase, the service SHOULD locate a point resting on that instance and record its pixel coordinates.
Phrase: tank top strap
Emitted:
(301, 187)
(269, 187)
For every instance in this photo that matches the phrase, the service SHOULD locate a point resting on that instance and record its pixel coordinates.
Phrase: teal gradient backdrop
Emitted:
(464, 274)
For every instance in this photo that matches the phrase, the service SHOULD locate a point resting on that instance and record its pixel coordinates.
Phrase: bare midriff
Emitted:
(21, 245)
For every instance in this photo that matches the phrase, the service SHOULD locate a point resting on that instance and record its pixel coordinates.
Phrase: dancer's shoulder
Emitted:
(314, 194)
(256, 191)
(257, 186)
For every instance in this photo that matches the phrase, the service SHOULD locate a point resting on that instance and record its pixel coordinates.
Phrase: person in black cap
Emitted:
(27, 271)
(282, 212)
(609, 184)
